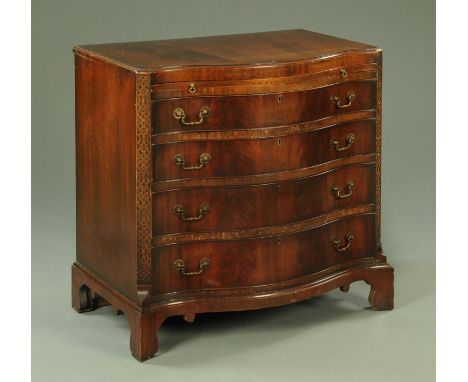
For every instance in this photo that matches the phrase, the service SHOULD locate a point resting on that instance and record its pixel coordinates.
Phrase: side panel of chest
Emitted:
(105, 172)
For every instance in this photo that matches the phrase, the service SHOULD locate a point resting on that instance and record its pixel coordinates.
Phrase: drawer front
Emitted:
(325, 77)
(184, 160)
(255, 262)
(265, 110)
(237, 208)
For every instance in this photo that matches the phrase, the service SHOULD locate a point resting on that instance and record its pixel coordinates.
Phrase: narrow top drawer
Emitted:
(325, 76)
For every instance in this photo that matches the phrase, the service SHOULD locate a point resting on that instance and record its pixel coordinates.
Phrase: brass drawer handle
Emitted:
(179, 160)
(337, 243)
(350, 139)
(336, 100)
(180, 266)
(349, 190)
(202, 211)
(179, 113)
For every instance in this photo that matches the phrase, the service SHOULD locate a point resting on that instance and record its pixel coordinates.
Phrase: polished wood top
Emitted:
(252, 49)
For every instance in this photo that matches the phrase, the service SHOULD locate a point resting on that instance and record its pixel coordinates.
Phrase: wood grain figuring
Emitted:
(239, 208)
(253, 111)
(271, 198)
(244, 263)
(105, 172)
(270, 155)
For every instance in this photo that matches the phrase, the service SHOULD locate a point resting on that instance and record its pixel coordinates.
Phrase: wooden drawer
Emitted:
(328, 75)
(261, 261)
(262, 110)
(260, 156)
(239, 208)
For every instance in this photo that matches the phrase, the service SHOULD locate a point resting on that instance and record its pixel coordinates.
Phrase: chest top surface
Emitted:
(251, 49)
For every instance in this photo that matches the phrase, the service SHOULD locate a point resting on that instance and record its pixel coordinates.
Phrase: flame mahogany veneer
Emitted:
(226, 173)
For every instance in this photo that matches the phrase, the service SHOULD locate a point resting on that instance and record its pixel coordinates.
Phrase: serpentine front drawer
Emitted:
(265, 260)
(282, 152)
(261, 110)
(227, 208)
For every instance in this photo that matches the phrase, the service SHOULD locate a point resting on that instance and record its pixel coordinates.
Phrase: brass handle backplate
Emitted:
(349, 97)
(179, 160)
(191, 88)
(179, 113)
(180, 266)
(337, 243)
(349, 190)
(350, 139)
(202, 211)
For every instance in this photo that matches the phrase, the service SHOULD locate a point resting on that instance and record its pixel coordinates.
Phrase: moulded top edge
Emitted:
(265, 49)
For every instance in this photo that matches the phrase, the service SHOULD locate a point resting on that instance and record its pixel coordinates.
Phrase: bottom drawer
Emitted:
(254, 262)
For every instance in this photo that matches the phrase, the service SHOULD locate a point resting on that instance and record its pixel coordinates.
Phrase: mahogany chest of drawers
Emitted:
(226, 173)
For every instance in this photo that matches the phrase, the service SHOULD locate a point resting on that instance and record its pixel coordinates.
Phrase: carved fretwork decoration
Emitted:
(378, 147)
(143, 176)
